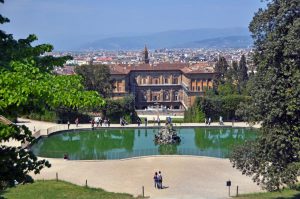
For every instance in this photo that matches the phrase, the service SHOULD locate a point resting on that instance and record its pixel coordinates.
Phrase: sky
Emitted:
(78, 21)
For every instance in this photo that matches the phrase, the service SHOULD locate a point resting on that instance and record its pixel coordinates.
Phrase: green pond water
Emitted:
(126, 143)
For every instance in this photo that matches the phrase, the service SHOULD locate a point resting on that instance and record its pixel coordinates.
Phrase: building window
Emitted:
(154, 98)
(198, 88)
(175, 80)
(166, 96)
(176, 96)
(144, 81)
(166, 80)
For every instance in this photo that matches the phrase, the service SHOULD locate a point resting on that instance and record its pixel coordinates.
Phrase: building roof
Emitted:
(185, 68)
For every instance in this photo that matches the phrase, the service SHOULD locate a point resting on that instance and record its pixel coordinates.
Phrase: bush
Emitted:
(194, 113)
(225, 106)
(49, 116)
(177, 120)
(115, 109)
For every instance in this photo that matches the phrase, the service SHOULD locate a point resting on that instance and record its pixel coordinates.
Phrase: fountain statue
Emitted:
(167, 135)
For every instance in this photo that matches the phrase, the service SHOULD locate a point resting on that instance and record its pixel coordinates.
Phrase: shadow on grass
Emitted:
(297, 196)
(2, 193)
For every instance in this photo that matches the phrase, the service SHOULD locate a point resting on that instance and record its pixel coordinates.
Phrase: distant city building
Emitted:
(146, 56)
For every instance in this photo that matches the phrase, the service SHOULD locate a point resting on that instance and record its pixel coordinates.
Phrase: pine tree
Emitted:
(273, 159)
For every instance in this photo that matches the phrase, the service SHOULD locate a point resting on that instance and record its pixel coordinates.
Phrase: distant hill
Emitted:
(204, 37)
(220, 42)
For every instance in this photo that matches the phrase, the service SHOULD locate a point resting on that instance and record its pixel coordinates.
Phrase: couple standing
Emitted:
(158, 180)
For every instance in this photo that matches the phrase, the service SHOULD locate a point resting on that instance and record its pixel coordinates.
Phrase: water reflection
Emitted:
(221, 138)
(168, 149)
(123, 143)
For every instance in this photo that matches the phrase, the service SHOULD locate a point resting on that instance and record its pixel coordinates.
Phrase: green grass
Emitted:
(284, 194)
(60, 189)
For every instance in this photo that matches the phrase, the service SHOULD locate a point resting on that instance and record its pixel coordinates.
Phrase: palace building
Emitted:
(169, 85)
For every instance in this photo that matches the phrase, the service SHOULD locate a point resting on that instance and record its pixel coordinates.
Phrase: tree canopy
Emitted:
(96, 78)
(221, 68)
(26, 78)
(273, 158)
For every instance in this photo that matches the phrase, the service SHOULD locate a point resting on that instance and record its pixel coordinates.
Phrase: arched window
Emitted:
(166, 79)
(166, 96)
(176, 96)
(144, 80)
(175, 80)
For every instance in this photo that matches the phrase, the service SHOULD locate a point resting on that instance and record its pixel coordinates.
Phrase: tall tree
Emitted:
(232, 73)
(96, 78)
(25, 77)
(243, 70)
(273, 158)
(220, 68)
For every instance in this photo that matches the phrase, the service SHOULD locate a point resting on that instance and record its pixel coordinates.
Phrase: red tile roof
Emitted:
(185, 68)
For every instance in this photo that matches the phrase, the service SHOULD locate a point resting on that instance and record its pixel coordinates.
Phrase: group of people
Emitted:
(100, 122)
(123, 122)
(207, 121)
(157, 120)
(158, 180)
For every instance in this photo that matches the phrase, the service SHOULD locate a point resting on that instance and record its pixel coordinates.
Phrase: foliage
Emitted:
(194, 114)
(49, 116)
(232, 73)
(273, 159)
(282, 194)
(225, 106)
(60, 189)
(221, 68)
(26, 82)
(177, 120)
(123, 107)
(17, 162)
(96, 78)
(227, 88)
(25, 85)
(242, 71)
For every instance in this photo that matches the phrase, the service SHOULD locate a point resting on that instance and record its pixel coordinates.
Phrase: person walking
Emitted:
(108, 122)
(77, 121)
(138, 121)
(205, 121)
(155, 180)
(209, 121)
(146, 121)
(69, 124)
(101, 121)
(159, 179)
(93, 123)
(121, 121)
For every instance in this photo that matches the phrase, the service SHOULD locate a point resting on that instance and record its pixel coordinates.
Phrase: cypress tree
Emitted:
(221, 69)
(242, 70)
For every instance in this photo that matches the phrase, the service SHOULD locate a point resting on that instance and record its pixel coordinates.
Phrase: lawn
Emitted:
(60, 189)
(284, 194)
